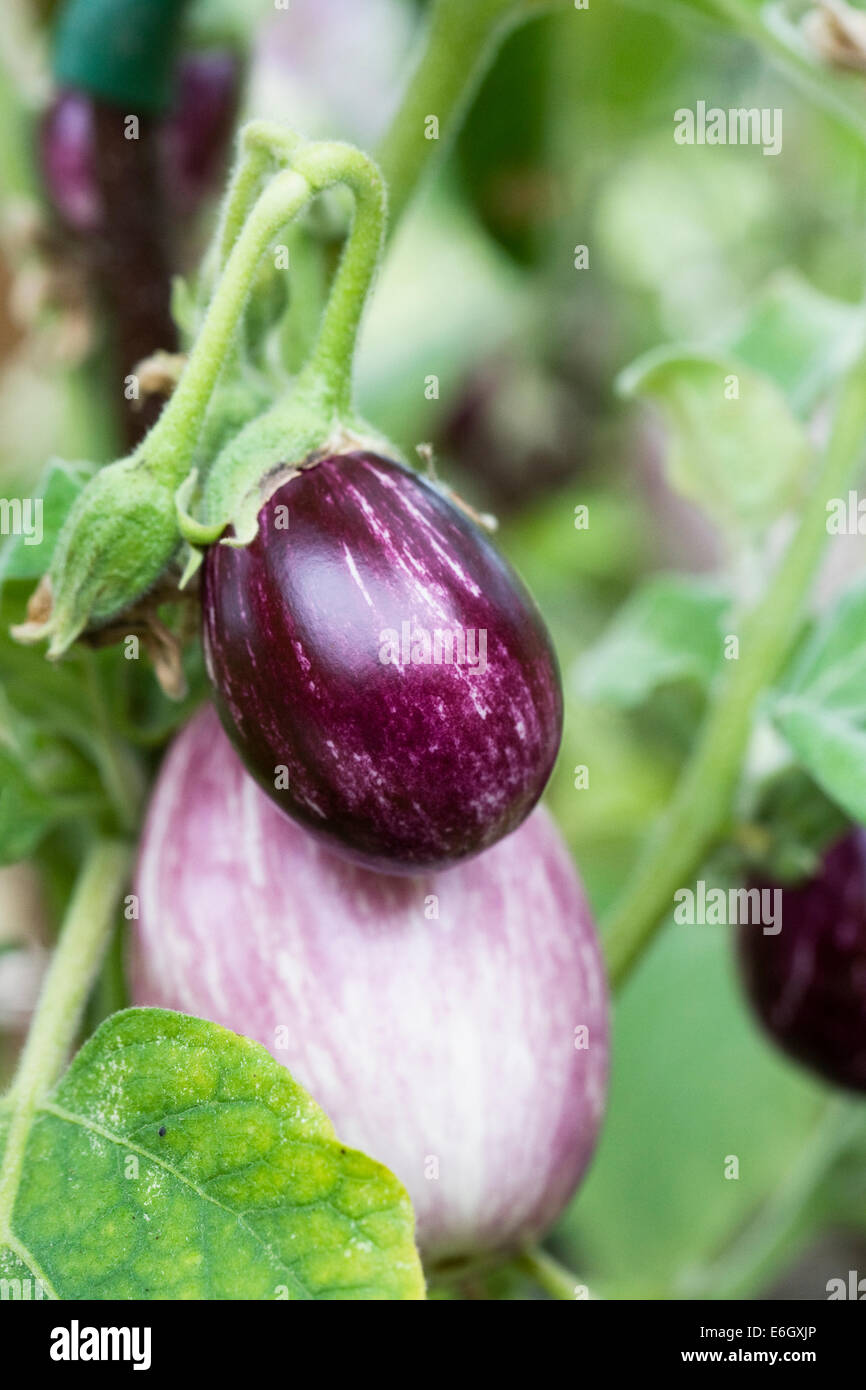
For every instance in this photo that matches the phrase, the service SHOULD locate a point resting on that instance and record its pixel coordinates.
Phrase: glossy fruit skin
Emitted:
(401, 767)
(436, 1044)
(808, 983)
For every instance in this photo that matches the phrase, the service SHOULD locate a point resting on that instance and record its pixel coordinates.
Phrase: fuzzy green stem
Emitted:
(333, 353)
(169, 446)
(461, 39)
(263, 144)
(548, 1273)
(697, 814)
(74, 965)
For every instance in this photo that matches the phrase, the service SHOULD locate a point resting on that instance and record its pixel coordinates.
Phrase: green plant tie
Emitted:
(119, 50)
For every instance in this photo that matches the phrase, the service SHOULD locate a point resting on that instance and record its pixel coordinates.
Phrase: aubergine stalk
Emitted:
(378, 665)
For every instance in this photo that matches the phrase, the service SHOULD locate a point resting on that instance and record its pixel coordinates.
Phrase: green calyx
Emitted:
(120, 535)
(184, 485)
(299, 430)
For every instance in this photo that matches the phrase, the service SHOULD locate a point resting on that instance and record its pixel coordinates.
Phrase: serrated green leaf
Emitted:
(58, 488)
(736, 448)
(177, 1160)
(669, 630)
(800, 338)
(822, 709)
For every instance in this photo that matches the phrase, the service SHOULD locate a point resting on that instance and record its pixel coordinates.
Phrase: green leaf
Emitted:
(801, 339)
(58, 488)
(177, 1160)
(669, 630)
(741, 458)
(822, 709)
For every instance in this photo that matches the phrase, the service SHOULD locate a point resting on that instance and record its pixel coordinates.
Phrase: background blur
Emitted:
(570, 141)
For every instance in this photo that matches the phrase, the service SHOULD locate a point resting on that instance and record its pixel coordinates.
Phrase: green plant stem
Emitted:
(334, 349)
(548, 1273)
(169, 445)
(461, 39)
(263, 144)
(82, 942)
(764, 1246)
(700, 807)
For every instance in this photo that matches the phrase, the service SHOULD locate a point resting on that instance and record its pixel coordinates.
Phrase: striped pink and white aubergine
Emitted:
(381, 669)
(454, 1026)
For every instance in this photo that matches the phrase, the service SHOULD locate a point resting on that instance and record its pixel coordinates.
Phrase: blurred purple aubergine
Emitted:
(67, 139)
(197, 132)
(193, 140)
(381, 669)
(454, 1026)
(808, 981)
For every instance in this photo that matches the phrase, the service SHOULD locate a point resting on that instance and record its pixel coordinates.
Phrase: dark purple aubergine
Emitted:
(381, 669)
(808, 982)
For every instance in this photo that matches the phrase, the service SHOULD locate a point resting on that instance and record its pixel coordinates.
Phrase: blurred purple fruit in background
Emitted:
(67, 139)
(193, 141)
(517, 429)
(808, 982)
(197, 132)
(454, 1026)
